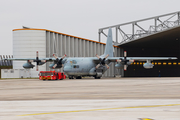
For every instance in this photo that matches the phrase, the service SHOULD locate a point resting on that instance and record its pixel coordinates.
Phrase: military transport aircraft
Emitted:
(76, 67)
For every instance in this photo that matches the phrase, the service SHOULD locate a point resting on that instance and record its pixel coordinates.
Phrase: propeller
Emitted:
(37, 60)
(58, 61)
(102, 61)
(124, 61)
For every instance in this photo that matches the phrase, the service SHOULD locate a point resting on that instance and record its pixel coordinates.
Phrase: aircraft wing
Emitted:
(114, 59)
(25, 59)
(37, 59)
(111, 59)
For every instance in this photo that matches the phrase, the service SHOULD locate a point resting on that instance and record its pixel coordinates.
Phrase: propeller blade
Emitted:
(106, 56)
(125, 67)
(131, 60)
(55, 56)
(37, 54)
(36, 67)
(118, 60)
(54, 66)
(125, 54)
(107, 66)
(64, 56)
(97, 56)
(97, 66)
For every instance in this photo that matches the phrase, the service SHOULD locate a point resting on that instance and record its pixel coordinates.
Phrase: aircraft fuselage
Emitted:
(81, 66)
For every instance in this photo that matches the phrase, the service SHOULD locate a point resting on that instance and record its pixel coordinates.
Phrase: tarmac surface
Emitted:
(87, 99)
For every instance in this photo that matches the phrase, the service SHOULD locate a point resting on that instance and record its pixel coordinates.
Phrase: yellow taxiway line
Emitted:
(100, 109)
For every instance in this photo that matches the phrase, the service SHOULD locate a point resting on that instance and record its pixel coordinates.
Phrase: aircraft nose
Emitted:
(67, 69)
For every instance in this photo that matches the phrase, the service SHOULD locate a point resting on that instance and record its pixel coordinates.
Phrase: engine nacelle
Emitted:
(148, 65)
(51, 66)
(119, 66)
(28, 65)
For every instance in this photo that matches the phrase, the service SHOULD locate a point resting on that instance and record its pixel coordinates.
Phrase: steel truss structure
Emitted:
(137, 29)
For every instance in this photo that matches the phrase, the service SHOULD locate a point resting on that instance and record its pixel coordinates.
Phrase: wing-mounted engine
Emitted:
(38, 62)
(148, 65)
(123, 63)
(58, 63)
(102, 61)
(28, 65)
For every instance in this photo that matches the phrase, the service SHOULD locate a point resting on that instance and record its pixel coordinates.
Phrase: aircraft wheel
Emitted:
(78, 77)
(97, 77)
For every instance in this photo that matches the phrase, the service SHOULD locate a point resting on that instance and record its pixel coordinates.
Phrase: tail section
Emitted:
(109, 44)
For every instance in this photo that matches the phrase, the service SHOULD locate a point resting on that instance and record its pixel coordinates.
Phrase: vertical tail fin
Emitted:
(109, 44)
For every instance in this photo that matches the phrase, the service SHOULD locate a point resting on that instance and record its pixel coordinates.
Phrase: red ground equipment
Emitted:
(51, 75)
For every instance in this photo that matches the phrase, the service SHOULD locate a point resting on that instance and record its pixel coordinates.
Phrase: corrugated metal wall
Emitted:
(61, 44)
(4, 62)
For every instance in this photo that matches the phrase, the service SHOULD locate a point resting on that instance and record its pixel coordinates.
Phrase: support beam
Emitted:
(140, 27)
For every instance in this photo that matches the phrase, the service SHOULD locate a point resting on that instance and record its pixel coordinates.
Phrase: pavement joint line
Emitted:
(99, 109)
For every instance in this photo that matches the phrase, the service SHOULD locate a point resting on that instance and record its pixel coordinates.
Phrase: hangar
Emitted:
(27, 41)
(161, 38)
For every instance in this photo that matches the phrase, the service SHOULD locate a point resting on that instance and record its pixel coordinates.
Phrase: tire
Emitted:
(70, 77)
(97, 77)
(78, 77)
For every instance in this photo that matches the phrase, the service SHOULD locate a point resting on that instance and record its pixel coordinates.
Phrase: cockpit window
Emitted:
(74, 61)
(71, 62)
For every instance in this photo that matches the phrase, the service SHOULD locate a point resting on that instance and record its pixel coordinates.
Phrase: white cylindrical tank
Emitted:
(25, 44)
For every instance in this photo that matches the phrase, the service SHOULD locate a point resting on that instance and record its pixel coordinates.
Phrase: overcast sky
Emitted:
(80, 18)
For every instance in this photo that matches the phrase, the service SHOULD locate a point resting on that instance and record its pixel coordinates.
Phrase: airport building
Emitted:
(27, 41)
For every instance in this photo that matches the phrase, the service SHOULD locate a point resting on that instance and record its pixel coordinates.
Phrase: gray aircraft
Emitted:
(76, 67)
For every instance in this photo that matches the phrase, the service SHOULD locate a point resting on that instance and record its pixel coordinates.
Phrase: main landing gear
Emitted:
(71, 77)
(97, 77)
(77, 77)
